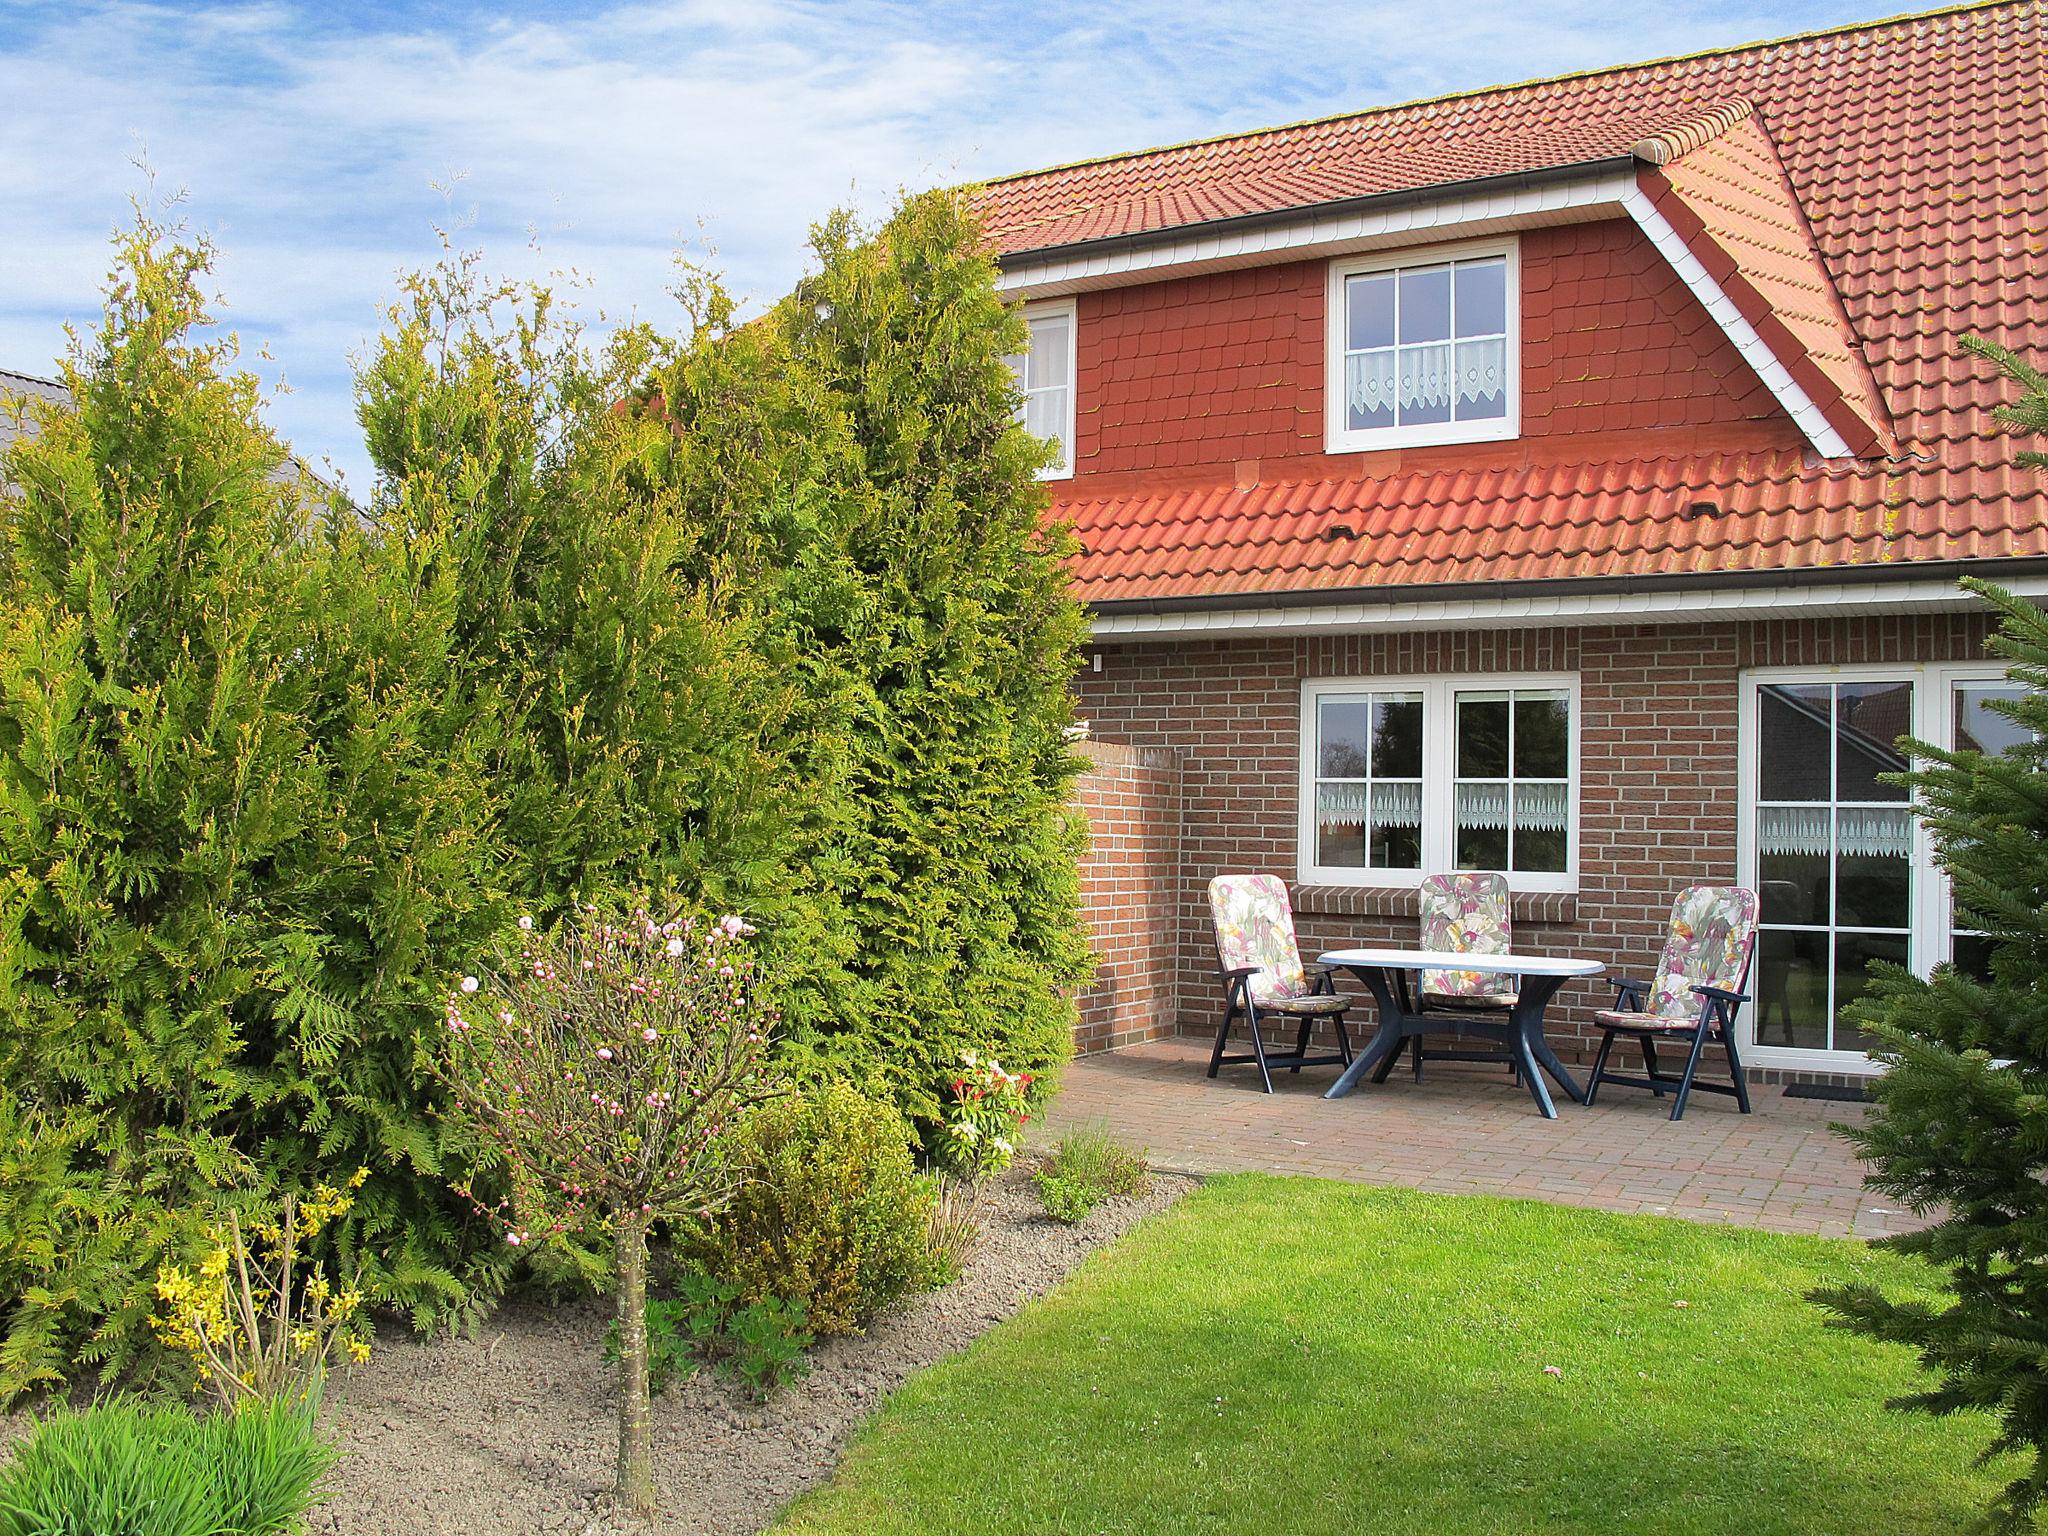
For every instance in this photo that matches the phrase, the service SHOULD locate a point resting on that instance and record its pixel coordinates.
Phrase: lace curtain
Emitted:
(1420, 378)
(1872, 832)
(1538, 807)
(1389, 805)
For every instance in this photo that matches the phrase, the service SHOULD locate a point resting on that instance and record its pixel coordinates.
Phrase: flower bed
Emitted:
(516, 1430)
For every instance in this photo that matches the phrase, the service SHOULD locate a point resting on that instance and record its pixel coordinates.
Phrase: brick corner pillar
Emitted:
(1130, 893)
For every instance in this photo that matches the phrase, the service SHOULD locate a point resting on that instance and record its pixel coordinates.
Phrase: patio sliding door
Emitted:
(1835, 869)
(1843, 871)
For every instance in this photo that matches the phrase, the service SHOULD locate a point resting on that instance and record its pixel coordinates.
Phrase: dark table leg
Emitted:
(1534, 996)
(1384, 1043)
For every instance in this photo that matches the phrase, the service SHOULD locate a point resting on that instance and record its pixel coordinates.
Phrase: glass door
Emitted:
(1974, 726)
(1834, 855)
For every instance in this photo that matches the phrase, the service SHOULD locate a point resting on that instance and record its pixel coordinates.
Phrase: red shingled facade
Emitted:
(1224, 373)
(1857, 201)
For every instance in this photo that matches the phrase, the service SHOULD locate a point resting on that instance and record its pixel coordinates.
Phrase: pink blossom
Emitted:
(604, 1053)
(650, 1035)
(525, 923)
(469, 984)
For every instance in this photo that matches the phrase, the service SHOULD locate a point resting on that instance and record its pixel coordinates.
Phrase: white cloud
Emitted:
(313, 149)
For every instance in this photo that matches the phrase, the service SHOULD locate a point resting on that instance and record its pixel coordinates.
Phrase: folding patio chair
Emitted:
(1263, 976)
(1693, 1000)
(1466, 912)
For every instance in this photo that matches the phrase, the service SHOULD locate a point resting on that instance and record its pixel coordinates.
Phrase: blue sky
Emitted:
(321, 144)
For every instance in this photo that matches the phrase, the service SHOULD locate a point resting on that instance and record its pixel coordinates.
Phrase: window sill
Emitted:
(1539, 909)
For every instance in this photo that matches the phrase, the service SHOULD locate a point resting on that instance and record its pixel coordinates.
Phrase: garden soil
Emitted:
(515, 1430)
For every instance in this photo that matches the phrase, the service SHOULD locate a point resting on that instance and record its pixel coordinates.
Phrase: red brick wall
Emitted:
(1130, 892)
(1203, 379)
(1657, 768)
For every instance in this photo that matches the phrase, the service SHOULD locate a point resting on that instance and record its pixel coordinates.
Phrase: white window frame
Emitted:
(1439, 762)
(1339, 437)
(1045, 310)
(1929, 917)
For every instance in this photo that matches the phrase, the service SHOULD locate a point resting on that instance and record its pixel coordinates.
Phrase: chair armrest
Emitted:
(1240, 972)
(1317, 968)
(1722, 994)
(1630, 992)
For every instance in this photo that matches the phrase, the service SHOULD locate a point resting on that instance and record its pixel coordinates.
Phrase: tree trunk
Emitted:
(636, 1452)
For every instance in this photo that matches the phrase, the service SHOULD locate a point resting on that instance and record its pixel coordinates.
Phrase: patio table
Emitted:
(1385, 973)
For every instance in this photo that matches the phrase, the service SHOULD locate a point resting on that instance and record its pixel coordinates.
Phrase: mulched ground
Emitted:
(515, 1431)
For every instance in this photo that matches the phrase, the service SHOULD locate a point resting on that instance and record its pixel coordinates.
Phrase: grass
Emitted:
(1294, 1355)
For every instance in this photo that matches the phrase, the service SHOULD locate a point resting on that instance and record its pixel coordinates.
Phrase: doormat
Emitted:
(1839, 1092)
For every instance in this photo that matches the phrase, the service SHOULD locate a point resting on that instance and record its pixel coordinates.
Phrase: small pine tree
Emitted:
(1961, 1123)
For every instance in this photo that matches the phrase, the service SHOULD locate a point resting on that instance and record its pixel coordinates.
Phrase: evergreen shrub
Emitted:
(831, 1211)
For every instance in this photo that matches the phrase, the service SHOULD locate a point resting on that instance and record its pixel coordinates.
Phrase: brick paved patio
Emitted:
(1469, 1130)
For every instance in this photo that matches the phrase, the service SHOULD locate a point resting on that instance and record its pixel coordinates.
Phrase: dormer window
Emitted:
(1045, 376)
(1423, 349)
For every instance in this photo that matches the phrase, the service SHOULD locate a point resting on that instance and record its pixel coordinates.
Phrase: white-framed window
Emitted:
(1424, 347)
(1406, 777)
(1045, 376)
(1843, 870)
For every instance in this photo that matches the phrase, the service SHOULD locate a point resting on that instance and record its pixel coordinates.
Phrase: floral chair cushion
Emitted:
(1713, 931)
(1466, 912)
(1255, 926)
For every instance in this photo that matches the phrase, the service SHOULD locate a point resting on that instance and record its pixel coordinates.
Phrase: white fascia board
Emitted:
(1550, 609)
(1827, 442)
(1325, 234)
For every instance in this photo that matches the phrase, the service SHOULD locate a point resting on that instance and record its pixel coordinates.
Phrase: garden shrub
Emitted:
(759, 1344)
(831, 1211)
(767, 620)
(1086, 1168)
(122, 1468)
(855, 454)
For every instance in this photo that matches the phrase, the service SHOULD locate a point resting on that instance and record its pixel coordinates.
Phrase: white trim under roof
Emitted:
(1545, 607)
(1456, 216)
(1827, 442)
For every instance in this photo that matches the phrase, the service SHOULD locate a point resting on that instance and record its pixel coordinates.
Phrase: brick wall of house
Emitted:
(1205, 379)
(1131, 881)
(1657, 768)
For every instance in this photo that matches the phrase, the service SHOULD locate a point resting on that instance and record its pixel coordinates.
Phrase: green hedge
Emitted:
(762, 619)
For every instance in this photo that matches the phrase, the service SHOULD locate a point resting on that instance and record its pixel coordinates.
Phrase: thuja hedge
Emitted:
(758, 618)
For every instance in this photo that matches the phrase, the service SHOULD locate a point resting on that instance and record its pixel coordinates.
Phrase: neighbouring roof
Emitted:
(17, 389)
(1865, 197)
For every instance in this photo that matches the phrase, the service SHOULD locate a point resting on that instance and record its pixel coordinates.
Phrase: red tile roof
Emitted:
(1645, 517)
(1730, 201)
(1884, 194)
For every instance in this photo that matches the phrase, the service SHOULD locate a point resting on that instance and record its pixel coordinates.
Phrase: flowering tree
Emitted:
(602, 1066)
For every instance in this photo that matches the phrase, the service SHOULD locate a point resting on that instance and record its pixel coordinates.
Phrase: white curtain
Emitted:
(1045, 416)
(1482, 369)
(1872, 832)
(1425, 376)
(1390, 805)
(1369, 381)
(1540, 807)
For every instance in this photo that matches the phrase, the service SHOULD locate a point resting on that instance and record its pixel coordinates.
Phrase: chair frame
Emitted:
(1716, 1027)
(1239, 1002)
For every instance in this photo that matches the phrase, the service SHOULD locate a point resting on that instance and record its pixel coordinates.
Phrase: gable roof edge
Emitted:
(1777, 378)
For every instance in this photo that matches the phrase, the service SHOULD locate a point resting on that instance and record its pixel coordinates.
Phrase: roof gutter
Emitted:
(1371, 202)
(1394, 597)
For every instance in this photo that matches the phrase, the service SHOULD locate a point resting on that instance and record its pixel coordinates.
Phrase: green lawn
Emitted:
(1292, 1355)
